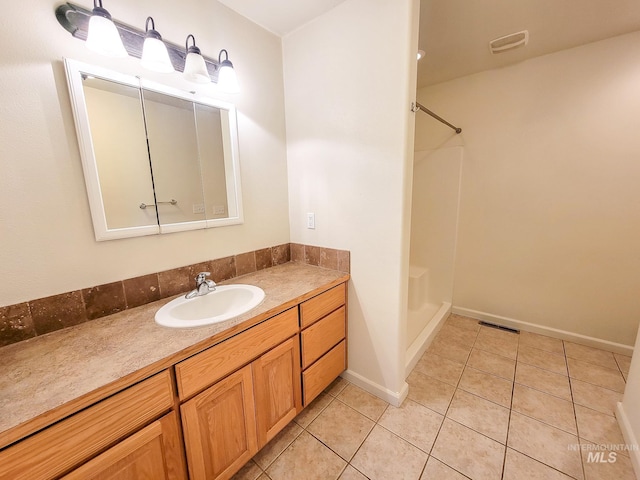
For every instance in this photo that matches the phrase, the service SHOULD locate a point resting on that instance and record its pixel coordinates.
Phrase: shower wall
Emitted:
(434, 213)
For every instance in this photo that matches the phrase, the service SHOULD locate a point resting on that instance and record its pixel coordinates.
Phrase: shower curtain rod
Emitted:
(416, 106)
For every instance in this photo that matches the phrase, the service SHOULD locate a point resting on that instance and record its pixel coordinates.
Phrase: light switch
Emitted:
(311, 220)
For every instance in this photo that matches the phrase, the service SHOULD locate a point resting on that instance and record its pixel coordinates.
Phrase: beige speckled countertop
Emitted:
(48, 377)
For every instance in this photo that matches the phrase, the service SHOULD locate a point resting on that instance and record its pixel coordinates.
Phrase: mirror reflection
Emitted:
(156, 159)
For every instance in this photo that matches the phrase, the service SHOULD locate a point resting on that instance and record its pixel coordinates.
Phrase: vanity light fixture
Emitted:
(227, 80)
(420, 54)
(155, 56)
(103, 36)
(195, 70)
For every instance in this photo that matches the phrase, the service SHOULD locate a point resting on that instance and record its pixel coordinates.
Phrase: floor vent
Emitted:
(499, 327)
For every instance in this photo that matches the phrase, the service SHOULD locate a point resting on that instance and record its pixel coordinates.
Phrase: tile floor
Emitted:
(483, 404)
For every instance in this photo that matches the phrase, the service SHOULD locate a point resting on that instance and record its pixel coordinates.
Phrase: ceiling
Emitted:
(281, 16)
(455, 34)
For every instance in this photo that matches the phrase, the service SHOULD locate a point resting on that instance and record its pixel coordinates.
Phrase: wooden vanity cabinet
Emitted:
(231, 400)
(155, 452)
(323, 320)
(113, 429)
(228, 422)
(219, 427)
(276, 382)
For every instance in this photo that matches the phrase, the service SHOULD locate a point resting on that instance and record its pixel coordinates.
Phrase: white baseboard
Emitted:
(629, 438)
(424, 339)
(543, 330)
(394, 398)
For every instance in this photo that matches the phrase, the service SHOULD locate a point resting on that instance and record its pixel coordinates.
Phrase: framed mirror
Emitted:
(155, 159)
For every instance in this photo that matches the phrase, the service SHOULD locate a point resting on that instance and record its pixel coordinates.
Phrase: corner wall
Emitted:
(349, 82)
(550, 217)
(48, 244)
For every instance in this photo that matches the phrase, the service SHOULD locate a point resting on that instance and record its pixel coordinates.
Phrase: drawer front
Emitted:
(319, 375)
(204, 369)
(319, 306)
(320, 337)
(72, 441)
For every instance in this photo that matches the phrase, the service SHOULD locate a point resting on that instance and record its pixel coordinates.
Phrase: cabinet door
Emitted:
(276, 379)
(153, 453)
(219, 427)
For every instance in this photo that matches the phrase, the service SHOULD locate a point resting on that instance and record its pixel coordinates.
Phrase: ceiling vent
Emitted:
(509, 42)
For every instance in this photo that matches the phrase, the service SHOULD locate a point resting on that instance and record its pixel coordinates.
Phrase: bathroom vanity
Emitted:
(122, 397)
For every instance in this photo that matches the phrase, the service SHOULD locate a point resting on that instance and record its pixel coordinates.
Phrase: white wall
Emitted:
(628, 412)
(349, 78)
(48, 245)
(550, 210)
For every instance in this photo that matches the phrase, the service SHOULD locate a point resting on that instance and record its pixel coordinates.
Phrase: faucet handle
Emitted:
(202, 276)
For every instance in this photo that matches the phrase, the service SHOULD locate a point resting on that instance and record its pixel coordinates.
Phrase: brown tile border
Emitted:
(26, 320)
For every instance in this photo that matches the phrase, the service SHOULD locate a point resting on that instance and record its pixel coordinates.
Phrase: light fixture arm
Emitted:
(75, 20)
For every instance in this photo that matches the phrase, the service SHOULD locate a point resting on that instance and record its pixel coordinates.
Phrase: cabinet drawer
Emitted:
(204, 369)
(319, 375)
(66, 444)
(153, 452)
(321, 305)
(322, 335)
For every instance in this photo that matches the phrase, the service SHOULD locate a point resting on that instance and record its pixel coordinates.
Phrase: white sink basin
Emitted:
(224, 303)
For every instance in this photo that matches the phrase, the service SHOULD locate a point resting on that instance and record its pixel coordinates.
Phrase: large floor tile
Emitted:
(544, 407)
(414, 423)
(590, 355)
(469, 452)
(594, 397)
(546, 444)
(606, 465)
(430, 392)
(505, 344)
(277, 445)
(436, 470)
(596, 375)
(490, 387)
(542, 342)
(336, 387)
(251, 471)
(449, 348)
(306, 458)
(311, 411)
(480, 415)
(351, 473)
(341, 428)
(463, 336)
(542, 359)
(362, 401)
(598, 427)
(520, 467)
(491, 363)
(463, 322)
(383, 456)
(623, 361)
(543, 380)
(440, 368)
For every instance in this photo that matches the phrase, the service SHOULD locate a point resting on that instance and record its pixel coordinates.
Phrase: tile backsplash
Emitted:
(43, 315)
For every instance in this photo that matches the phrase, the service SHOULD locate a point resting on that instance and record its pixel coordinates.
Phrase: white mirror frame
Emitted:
(75, 70)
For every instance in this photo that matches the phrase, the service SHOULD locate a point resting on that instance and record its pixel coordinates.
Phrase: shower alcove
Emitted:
(434, 219)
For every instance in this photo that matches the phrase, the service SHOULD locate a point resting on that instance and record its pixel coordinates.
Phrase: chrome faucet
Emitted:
(203, 286)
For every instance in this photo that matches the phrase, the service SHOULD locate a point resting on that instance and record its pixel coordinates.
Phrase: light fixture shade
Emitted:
(227, 79)
(195, 70)
(103, 36)
(155, 56)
